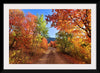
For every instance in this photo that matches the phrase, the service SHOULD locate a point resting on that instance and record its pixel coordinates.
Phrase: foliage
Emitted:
(26, 33)
(77, 23)
(52, 44)
(69, 19)
(44, 43)
(41, 26)
(63, 40)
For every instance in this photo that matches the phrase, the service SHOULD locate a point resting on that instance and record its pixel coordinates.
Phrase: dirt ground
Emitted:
(52, 57)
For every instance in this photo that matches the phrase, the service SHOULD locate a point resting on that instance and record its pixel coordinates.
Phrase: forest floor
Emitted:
(51, 56)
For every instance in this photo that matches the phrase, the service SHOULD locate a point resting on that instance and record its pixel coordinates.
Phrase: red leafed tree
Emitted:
(69, 19)
(44, 43)
(28, 30)
(23, 26)
(52, 44)
(15, 17)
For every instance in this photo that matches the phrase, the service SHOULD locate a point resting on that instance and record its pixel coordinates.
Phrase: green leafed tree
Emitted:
(63, 40)
(41, 26)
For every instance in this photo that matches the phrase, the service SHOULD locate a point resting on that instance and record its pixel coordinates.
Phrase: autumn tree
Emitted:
(15, 17)
(52, 44)
(41, 26)
(42, 31)
(27, 34)
(44, 43)
(63, 40)
(28, 30)
(78, 23)
(23, 28)
(69, 19)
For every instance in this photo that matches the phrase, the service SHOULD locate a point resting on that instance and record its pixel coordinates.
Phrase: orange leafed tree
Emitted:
(52, 44)
(72, 20)
(44, 43)
(76, 22)
(15, 17)
(23, 26)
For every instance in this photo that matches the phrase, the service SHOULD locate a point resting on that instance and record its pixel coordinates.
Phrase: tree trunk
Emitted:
(12, 44)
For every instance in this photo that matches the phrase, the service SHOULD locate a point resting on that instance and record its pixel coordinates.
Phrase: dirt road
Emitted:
(51, 57)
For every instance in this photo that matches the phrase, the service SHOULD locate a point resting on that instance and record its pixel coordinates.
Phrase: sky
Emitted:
(52, 31)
